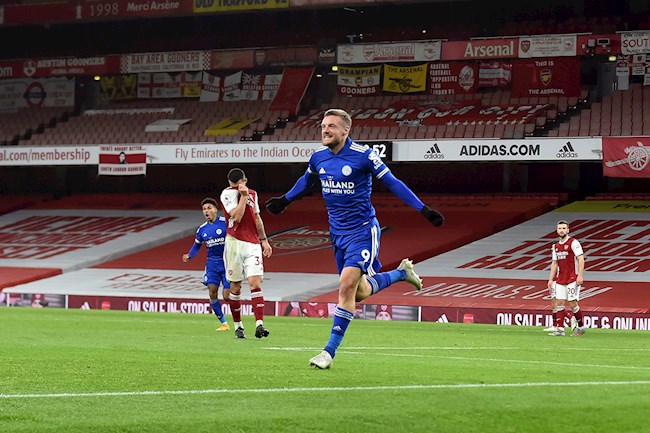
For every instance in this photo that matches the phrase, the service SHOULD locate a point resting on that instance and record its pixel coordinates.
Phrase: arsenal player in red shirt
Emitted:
(566, 278)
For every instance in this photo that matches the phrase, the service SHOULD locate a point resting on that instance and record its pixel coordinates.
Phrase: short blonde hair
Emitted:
(342, 114)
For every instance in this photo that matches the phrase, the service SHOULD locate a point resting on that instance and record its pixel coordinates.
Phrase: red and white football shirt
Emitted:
(566, 253)
(246, 229)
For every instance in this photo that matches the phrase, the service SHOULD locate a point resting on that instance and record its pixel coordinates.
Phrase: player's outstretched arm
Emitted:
(432, 215)
(277, 205)
(190, 255)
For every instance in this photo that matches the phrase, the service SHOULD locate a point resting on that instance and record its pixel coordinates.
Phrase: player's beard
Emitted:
(334, 143)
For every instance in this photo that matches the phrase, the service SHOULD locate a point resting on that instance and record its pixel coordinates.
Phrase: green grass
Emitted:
(89, 371)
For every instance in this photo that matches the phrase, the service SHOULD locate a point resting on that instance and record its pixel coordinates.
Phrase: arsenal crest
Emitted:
(300, 240)
(369, 52)
(29, 68)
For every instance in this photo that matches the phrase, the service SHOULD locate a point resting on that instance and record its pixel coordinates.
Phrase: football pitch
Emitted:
(117, 371)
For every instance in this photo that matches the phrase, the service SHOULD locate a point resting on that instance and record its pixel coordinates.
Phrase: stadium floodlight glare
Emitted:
(335, 68)
(97, 78)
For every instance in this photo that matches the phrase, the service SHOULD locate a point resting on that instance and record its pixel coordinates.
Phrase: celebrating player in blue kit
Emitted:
(212, 233)
(345, 171)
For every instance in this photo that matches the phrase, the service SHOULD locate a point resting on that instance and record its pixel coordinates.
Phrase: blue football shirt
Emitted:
(346, 184)
(213, 235)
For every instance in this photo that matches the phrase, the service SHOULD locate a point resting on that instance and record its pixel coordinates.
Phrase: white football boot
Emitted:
(323, 360)
(411, 277)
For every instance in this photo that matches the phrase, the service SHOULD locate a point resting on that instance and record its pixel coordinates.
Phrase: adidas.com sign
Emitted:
(434, 153)
(567, 151)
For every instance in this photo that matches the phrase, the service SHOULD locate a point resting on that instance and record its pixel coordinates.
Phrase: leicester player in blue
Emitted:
(345, 170)
(212, 233)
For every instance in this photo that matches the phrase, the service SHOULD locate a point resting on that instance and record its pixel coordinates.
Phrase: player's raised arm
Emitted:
(277, 205)
(238, 212)
(195, 248)
(400, 189)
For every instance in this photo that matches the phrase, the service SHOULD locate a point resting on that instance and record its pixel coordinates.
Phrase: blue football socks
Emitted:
(216, 307)
(379, 282)
(342, 319)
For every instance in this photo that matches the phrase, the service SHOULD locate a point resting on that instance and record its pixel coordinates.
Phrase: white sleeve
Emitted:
(553, 255)
(577, 248)
(229, 199)
(257, 203)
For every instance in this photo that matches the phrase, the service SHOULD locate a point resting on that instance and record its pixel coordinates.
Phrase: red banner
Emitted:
(292, 89)
(159, 305)
(289, 56)
(122, 160)
(436, 113)
(58, 67)
(626, 156)
(531, 317)
(555, 76)
(480, 49)
(95, 9)
(235, 59)
(452, 78)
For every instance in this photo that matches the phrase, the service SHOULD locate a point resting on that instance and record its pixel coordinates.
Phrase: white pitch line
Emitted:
(524, 361)
(352, 350)
(554, 349)
(328, 389)
(299, 349)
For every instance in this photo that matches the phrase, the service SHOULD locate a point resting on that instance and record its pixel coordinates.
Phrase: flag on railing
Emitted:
(121, 160)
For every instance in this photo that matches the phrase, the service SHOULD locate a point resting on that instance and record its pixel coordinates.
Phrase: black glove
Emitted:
(433, 216)
(277, 205)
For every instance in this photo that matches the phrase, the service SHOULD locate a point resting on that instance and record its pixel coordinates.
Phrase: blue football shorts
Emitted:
(359, 249)
(216, 277)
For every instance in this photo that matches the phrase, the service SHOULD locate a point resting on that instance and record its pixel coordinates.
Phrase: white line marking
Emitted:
(524, 361)
(299, 349)
(352, 351)
(554, 349)
(347, 389)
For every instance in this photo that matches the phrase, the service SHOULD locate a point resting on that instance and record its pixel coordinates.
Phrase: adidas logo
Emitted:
(85, 306)
(321, 171)
(567, 151)
(443, 319)
(337, 328)
(434, 153)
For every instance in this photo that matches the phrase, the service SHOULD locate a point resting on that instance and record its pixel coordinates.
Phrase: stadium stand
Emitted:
(114, 123)
(28, 122)
(122, 123)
